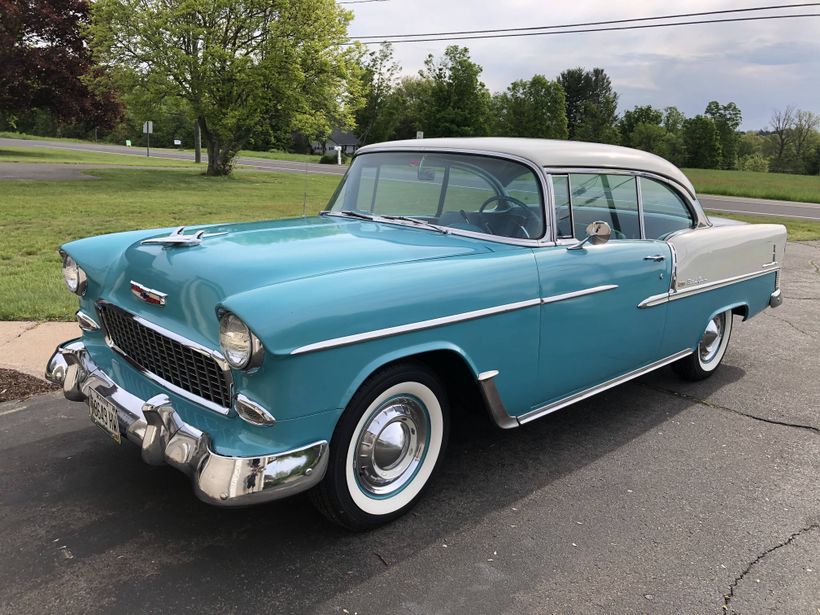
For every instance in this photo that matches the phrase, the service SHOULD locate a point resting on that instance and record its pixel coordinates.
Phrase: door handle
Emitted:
(655, 257)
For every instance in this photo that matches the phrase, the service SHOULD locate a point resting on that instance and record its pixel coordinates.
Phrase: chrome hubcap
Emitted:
(391, 445)
(710, 342)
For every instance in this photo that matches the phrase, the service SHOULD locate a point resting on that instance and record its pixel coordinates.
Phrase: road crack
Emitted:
(790, 323)
(709, 404)
(727, 598)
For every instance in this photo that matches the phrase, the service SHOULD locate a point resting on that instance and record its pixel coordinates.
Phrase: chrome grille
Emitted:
(172, 361)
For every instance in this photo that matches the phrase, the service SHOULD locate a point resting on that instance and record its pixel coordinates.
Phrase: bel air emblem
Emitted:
(143, 293)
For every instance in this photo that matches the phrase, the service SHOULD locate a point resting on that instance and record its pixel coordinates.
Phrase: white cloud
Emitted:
(759, 65)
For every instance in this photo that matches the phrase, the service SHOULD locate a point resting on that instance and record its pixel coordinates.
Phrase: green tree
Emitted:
(727, 120)
(534, 108)
(406, 107)
(458, 102)
(237, 63)
(591, 105)
(673, 119)
(374, 121)
(646, 115)
(702, 141)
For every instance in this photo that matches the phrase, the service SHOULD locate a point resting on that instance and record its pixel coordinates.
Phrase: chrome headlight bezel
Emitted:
(246, 355)
(73, 275)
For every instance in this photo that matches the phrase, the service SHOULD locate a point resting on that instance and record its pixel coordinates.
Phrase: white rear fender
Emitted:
(708, 256)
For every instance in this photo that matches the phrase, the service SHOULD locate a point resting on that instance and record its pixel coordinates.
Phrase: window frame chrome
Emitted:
(546, 194)
(221, 361)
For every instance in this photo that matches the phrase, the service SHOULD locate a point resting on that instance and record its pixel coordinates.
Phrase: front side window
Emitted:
(465, 192)
(610, 198)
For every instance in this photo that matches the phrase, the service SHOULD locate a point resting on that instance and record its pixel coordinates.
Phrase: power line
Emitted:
(585, 23)
(587, 30)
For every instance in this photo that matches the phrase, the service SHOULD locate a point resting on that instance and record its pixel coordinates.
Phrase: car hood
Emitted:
(234, 258)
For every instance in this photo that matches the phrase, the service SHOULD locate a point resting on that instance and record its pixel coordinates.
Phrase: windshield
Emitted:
(456, 191)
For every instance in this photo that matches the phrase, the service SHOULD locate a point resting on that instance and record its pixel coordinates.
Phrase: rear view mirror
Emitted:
(598, 233)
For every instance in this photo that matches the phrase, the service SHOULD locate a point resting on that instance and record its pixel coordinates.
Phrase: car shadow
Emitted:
(105, 502)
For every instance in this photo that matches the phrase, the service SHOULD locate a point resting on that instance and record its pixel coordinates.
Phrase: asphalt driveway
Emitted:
(655, 497)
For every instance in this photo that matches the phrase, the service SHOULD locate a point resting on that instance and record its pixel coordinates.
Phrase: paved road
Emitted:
(808, 211)
(257, 163)
(656, 497)
(762, 207)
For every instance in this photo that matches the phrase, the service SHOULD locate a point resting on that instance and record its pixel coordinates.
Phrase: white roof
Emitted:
(550, 153)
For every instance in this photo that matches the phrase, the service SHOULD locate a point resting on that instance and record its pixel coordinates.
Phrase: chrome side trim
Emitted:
(576, 397)
(164, 438)
(444, 320)
(86, 322)
(416, 326)
(498, 413)
(701, 288)
(216, 356)
(578, 293)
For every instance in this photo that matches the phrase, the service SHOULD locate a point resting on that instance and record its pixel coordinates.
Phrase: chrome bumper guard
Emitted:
(164, 438)
(776, 299)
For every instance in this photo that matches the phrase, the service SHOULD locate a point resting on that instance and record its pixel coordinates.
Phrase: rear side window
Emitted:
(664, 211)
(610, 198)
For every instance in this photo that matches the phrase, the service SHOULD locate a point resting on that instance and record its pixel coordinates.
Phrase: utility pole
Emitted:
(197, 143)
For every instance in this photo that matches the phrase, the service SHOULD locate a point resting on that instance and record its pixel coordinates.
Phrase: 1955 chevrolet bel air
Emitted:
(512, 276)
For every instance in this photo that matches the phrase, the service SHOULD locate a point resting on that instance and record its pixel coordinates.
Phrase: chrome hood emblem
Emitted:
(176, 238)
(143, 293)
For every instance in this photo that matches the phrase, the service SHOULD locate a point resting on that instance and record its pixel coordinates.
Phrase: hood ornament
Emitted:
(149, 295)
(177, 239)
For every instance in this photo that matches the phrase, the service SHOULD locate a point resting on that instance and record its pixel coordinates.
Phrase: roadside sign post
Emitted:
(419, 134)
(338, 149)
(147, 130)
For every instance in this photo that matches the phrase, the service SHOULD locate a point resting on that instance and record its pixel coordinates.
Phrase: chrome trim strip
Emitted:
(86, 323)
(772, 264)
(578, 293)
(576, 397)
(444, 320)
(156, 427)
(416, 326)
(216, 356)
(252, 412)
(701, 288)
(498, 413)
(639, 196)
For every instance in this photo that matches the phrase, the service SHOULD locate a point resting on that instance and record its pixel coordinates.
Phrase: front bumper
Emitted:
(157, 429)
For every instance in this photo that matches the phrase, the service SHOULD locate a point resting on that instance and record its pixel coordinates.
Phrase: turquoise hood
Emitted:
(235, 258)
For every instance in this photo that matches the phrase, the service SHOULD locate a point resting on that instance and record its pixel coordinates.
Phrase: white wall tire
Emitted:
(709, 351)
(387, 445)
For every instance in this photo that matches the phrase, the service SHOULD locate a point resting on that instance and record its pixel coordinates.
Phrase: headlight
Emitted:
(75, 277)
(242, 349)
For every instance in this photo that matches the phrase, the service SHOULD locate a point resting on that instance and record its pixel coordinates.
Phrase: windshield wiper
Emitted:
(354, 214)
(418, 221)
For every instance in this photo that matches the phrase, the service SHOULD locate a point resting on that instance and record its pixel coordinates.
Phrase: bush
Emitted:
(753, 162)
(331, 158)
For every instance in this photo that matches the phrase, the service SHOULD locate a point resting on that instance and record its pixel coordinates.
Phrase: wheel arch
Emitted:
(456, 370)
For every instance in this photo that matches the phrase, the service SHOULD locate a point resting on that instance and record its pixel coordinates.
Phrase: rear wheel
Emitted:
(710, 350)
(387, 445)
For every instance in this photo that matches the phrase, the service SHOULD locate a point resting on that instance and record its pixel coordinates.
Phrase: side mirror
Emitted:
(598, 233)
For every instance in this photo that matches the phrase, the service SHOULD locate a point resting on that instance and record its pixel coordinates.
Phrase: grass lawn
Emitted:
(278, 155)
(799, 230)
(779, 186)
(26, 137)
(64, 156)
(37, 216)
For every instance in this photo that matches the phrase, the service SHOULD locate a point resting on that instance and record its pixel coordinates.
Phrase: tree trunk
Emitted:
(220, 154)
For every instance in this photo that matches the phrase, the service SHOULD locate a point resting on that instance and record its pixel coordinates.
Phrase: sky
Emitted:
(761, 66)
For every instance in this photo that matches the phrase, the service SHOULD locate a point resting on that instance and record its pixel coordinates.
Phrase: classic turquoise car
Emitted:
(511, 276)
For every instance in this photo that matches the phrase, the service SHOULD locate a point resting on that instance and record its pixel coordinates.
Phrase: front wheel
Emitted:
(710, 350)
(387, 445)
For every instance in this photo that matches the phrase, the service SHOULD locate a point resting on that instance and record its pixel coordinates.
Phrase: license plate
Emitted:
(103, 414)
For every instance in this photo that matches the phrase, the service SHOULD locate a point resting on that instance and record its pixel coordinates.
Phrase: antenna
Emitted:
(304, 202)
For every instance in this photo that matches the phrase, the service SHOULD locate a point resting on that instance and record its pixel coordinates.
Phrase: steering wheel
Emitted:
(508, 199)
(528, 214)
